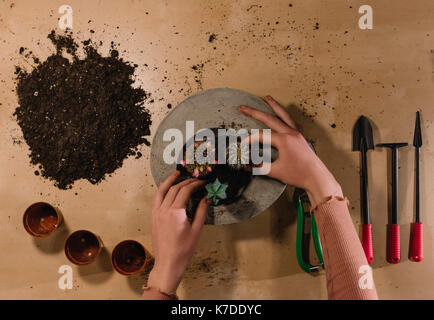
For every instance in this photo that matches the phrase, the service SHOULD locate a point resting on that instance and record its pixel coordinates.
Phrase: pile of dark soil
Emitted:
(81, 117)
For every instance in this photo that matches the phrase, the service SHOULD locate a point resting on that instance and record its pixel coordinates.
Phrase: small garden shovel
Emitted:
(363, 141)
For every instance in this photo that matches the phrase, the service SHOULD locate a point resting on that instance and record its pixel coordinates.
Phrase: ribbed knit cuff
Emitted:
(329, 201)
(344, 259)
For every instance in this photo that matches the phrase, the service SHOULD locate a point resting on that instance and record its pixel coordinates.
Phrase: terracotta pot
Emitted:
(41, 219)
(129, 257)
(83, 247)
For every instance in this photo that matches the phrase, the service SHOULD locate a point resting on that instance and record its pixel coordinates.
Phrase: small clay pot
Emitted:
(129, 257)
(41, 219)
(83, 247)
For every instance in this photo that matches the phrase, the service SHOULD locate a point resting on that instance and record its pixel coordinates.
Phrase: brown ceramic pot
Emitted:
(129, 257)
(41, 219)
(83, 247)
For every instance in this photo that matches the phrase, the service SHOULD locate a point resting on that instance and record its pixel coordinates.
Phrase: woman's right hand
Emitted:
(297, 164)
(174, 237)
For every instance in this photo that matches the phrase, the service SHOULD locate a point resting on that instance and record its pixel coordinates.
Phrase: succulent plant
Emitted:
(197, 170)
(216, 191)
(237, 155)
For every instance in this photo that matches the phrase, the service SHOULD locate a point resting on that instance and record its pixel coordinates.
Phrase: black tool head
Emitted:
(362, 135)
(393, 145)
(417, 141)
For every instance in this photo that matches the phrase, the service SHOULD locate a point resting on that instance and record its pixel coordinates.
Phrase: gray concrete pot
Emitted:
(210, 109)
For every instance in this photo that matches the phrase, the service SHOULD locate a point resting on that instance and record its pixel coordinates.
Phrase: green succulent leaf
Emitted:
(221, 194)
(209, 188)
(217, 184)
(216, 191)
(223, 188)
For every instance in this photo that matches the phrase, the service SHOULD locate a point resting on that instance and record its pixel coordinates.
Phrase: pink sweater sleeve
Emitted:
(343, 253)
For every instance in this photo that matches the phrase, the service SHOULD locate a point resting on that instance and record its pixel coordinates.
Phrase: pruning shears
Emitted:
(303, 206)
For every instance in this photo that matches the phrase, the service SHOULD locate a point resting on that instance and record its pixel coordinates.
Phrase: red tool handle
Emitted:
(394, 244)
(417, 241)
(367, 242)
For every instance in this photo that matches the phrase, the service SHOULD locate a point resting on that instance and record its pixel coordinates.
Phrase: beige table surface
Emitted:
(324, 76)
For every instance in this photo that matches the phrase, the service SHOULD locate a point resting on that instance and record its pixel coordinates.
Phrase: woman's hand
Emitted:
(297, 164)
(174, 238)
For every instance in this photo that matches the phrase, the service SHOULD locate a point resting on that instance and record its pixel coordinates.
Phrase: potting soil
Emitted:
(81, 117)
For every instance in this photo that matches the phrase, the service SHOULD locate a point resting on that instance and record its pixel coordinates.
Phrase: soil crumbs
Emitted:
(81, 117)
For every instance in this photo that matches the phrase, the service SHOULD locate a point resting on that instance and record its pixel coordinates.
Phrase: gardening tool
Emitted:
(417, 226)
(363, 141)
(394, 252)
(302, 204)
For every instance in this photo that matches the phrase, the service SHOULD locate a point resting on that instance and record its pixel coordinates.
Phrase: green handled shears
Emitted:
(303, 206)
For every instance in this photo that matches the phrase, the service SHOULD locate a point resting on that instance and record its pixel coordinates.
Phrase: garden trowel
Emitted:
(363, 141)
